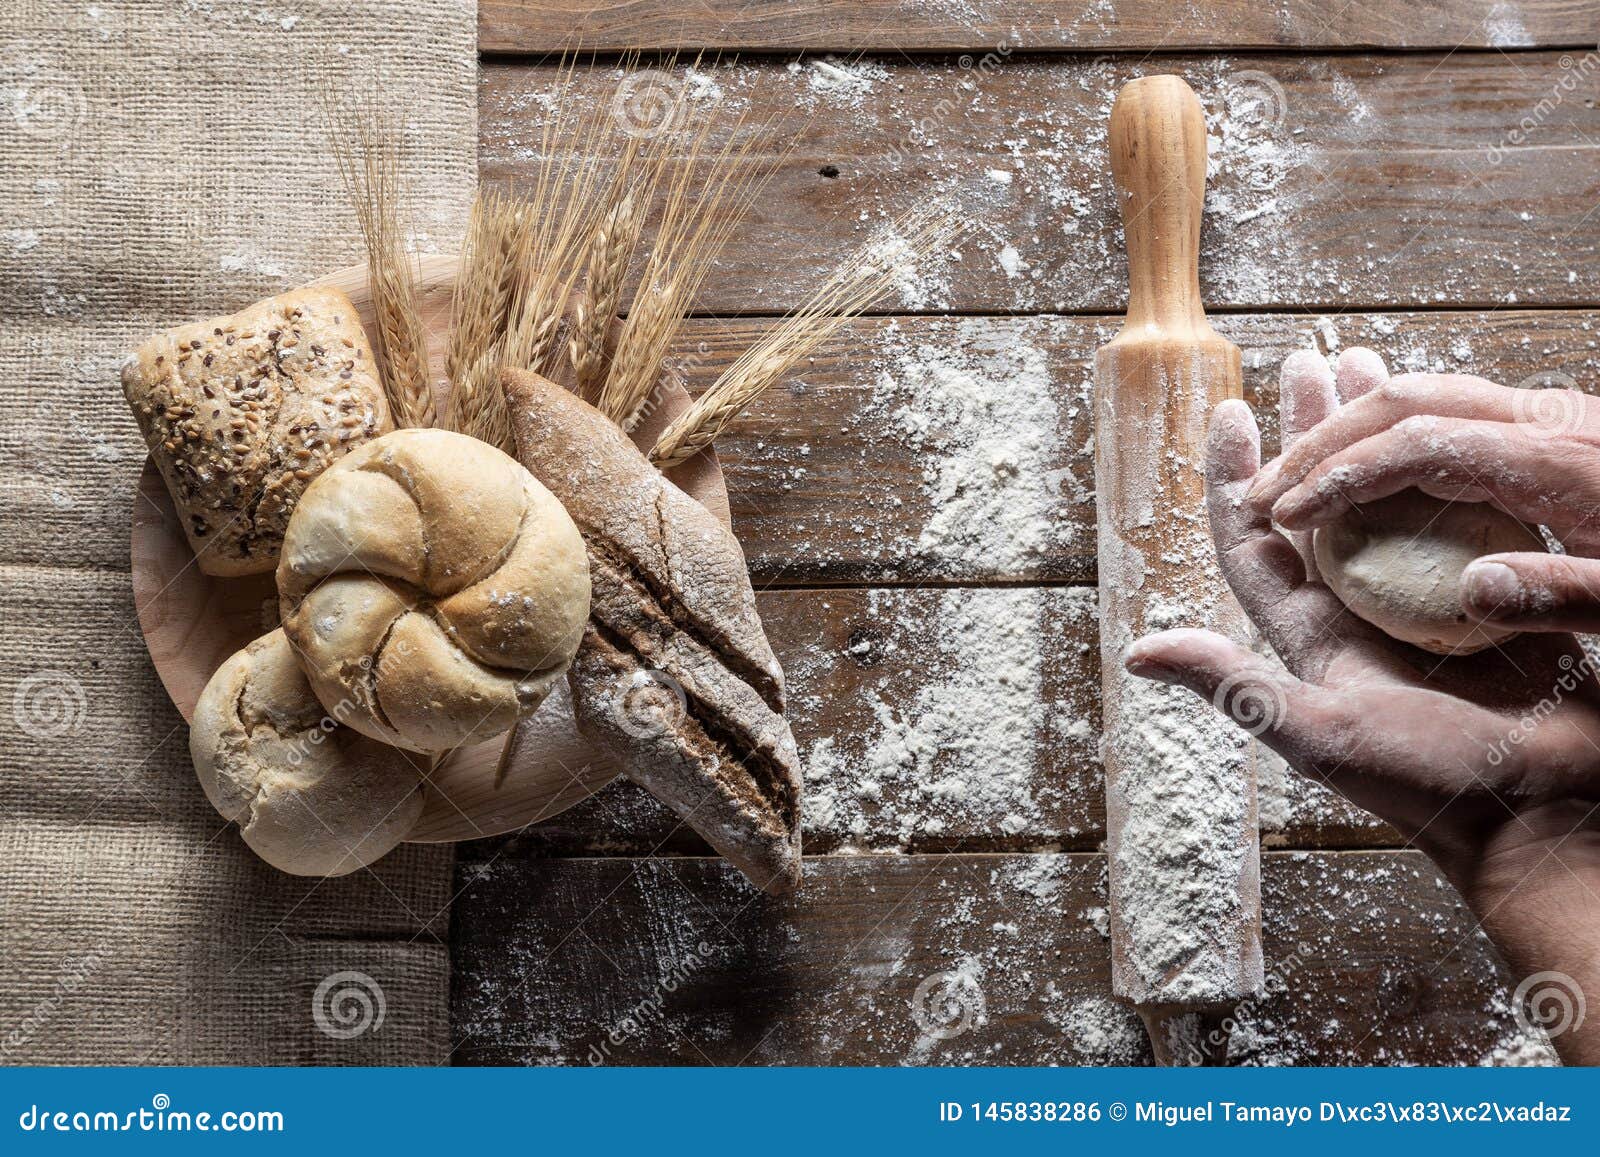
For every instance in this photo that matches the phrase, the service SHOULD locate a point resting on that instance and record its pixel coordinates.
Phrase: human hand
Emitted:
(1490, 763)
(1535, 454)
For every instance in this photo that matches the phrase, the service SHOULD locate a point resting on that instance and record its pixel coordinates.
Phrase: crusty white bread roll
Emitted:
(675, 679)
(311, 797)
(240, 413)
(433, 589)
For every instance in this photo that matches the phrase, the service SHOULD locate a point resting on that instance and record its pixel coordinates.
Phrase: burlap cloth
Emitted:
(162, 162)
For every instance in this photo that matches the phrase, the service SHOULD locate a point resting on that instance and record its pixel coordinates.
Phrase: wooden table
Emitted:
(1421, 178)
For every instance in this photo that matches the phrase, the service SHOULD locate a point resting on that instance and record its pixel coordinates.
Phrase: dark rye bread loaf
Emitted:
(675, 678)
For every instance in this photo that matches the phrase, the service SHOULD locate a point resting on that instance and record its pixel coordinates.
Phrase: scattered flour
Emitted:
(922, 283)
(967, 744)
(1102, 1031)
(1505, 28)
(1011, 261)
(839, 82)
(988, 426)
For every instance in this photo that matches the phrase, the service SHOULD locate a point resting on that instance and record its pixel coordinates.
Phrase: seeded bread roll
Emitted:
(240, 414)
(430, 584)
(311, 796)
(675, 679)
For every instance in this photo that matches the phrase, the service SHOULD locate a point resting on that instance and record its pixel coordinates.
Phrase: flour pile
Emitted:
(987, 419)
(966, 745)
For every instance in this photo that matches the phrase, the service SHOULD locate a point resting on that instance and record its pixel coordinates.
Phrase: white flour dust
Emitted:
(986, 424)
(966, 747)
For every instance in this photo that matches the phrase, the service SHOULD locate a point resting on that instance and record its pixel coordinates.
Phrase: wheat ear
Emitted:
(696, 222)
(496, 244)
(575, 188)
(478, 407)
(845, 295)
(365, 140)
(610, 253)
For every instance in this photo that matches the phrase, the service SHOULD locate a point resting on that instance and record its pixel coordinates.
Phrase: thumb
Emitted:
(1534, 592)
(1252, 690)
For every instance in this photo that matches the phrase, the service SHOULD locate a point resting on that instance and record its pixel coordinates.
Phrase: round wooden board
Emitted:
(192, 622)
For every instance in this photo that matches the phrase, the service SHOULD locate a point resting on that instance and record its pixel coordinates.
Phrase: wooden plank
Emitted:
(835, 475)
(1081, 26)
(961, 719)
(676, 961)
(1350, 182)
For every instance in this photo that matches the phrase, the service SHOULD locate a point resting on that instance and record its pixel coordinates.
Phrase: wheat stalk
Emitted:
(845, 295)
(482, 412)
(610, 253)
(696, 222)
(496, 244)
(365, 141)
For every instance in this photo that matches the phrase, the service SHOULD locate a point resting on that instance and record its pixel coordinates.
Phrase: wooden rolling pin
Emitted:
(1181, 832)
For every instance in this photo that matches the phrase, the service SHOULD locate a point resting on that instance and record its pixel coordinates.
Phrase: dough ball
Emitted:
(311, 796)
(1397, 564)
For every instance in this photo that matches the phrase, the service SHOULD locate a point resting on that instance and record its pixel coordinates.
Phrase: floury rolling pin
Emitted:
(1181, 835)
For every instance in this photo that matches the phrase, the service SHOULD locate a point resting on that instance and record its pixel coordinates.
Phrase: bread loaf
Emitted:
(311, 796)
(430, 583)
(675, 678)
(240, 413)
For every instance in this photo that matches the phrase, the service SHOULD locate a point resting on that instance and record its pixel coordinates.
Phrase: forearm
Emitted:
(1535, 886)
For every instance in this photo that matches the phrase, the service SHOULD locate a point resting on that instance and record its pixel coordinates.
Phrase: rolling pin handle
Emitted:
(1158, 160)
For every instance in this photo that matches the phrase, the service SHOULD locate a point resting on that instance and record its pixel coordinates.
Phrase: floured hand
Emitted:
(1441, 748)
(1534, 454)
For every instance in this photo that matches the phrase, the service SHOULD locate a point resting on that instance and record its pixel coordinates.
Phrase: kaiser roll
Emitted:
(433, 589)
(311, 797)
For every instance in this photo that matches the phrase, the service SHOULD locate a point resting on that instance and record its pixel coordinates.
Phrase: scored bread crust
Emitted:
(311, 797)
(433, 585)
(675, 677)
(240, 413)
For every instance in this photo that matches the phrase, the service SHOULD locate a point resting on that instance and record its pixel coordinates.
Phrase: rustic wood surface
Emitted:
(1338, 182)
(535, 26)
(1420, 180)
(675, 961)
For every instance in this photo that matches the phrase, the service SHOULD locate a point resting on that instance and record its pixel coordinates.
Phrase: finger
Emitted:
(1501, 463)
(1304, 622)
(1305, 394)
(1360, 372)
(1305, 397)
(1399, 398)
(1288, 715)
(1534, 592)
